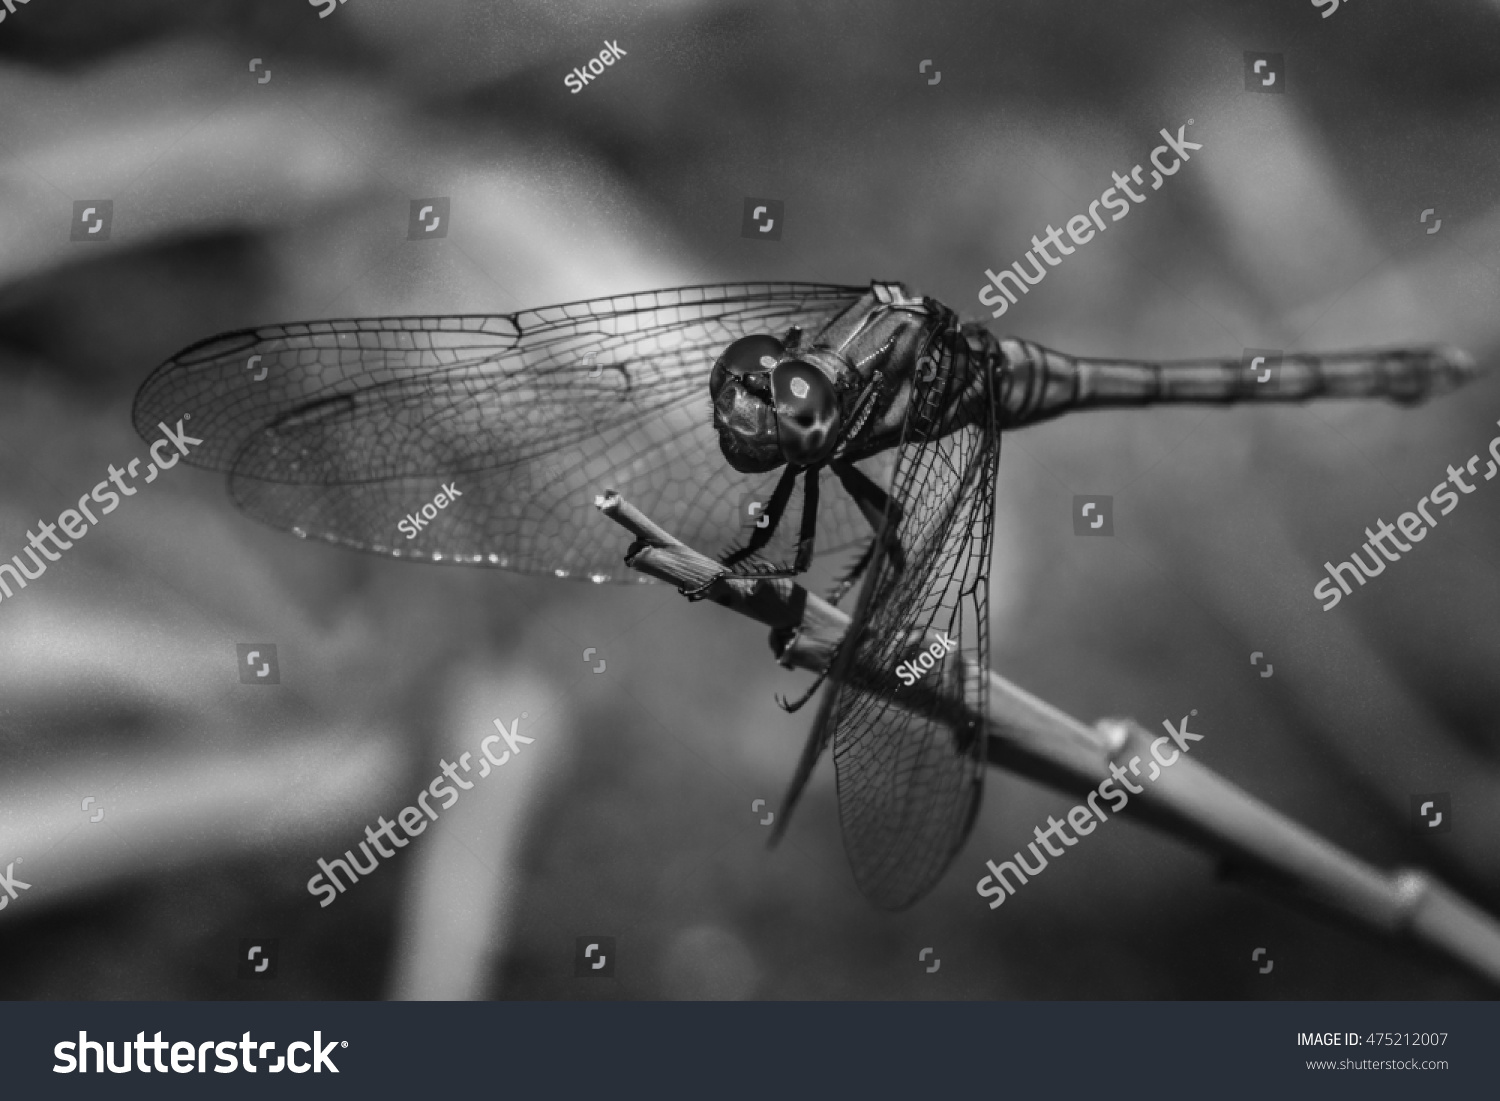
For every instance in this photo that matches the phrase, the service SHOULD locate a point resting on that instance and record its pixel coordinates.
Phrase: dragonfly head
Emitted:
(770, 408)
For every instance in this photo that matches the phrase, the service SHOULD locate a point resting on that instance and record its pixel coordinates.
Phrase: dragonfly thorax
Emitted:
(771, 408)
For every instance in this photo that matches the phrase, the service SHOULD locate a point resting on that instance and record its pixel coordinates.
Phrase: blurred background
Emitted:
(245, 194)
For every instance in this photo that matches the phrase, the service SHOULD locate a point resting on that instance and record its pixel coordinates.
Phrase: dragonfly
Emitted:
(761, 423)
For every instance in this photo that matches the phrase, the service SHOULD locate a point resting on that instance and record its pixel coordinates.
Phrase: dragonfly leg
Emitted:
(797, 704)
(878, 509)
(777, 505)
(774, 509)
(809, 529)
(856, 571)
(862, 490)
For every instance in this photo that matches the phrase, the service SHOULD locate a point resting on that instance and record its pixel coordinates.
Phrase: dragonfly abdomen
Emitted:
(1036, 383)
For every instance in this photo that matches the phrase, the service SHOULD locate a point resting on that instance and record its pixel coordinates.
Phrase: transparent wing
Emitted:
(910, 765)
(345, 430)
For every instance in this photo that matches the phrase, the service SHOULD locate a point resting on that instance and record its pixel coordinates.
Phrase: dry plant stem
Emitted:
(1030, 737)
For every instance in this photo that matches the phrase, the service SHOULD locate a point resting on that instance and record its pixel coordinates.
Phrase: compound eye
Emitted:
(807, 412)
(749, 355)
